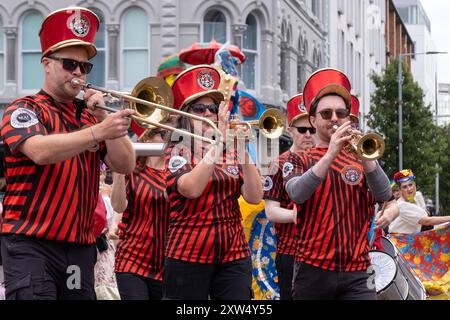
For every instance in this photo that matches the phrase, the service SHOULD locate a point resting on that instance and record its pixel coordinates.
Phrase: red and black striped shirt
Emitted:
(207, 229)
(286, 233)
(55, 201)
(335, 220)
(146, 221)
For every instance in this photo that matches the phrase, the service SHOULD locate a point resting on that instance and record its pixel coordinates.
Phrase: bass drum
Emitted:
(416, 289)
(389, 281)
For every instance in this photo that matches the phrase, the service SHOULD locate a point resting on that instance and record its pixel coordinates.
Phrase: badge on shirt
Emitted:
(233, 171)
(351, 175)
(23, 118)
(176, 163)
(287, 169)
(268, 183)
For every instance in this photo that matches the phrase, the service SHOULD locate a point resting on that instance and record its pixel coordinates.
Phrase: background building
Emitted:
(423, 67)
(357, 44)
(283, 41)
(444, 104)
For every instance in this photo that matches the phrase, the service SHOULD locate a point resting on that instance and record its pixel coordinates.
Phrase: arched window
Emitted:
(31, 71)
(250, 48)
(215, 26)
(135, 47)
(2, 56)
(98, 73)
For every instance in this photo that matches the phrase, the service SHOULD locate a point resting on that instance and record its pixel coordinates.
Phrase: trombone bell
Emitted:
(272, 123)
(155, 90)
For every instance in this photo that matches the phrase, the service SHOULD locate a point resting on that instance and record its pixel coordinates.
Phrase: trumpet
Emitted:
(271, 123)
(369, 146)
(159, 96)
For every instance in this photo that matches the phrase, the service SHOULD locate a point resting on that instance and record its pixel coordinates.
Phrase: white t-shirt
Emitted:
(408, 220)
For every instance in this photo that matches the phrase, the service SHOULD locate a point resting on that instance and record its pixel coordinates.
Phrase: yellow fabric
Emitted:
(249, 212)
(439, 289)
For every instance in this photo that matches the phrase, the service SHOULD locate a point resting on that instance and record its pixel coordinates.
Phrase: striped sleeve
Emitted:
(21, 121)
(293, 167)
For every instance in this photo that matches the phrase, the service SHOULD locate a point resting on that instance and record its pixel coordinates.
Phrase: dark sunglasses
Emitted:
(201, 108)
(328, 113)
(162, 133)
(303, 130)
(71, 65)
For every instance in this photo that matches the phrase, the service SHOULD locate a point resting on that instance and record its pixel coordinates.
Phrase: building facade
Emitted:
(357, 44)
(423, 66)
(284, 41)
(443, 111)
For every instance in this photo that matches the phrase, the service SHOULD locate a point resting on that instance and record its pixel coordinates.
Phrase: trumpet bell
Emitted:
(155, 90)
(370, 146)
(272, 123)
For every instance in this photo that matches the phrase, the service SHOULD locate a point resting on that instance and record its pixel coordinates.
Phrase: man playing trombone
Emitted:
(332, 185)
(53, 147)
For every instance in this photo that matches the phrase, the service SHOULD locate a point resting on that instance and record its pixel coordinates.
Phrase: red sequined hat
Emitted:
(194, 83)
(323, 82)
(295, 108)
(354, 109)
(74, 26)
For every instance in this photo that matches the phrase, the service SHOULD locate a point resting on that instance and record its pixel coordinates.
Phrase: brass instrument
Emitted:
(271, 123)
(152, 100)
(369, 146)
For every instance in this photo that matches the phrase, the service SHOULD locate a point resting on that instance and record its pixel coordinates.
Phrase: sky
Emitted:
(438, 12)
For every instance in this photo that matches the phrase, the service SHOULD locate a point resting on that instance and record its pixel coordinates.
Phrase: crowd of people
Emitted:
(169, 226)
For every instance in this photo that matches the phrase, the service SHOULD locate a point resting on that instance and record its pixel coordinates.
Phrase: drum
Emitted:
(416, 289)
(389, 281)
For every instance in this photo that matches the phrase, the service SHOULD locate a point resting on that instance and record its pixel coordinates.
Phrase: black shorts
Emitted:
(200, 281)
(312, 283)
(285, 270)
(37, 269)
(135, 287)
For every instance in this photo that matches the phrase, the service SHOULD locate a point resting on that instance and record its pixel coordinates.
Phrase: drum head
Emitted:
(385, 269)
(389, 247)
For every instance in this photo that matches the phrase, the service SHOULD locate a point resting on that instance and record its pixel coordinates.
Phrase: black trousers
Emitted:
(200, 281)
(285, 270)
(311, 283)
(38, 269)
(135, 287)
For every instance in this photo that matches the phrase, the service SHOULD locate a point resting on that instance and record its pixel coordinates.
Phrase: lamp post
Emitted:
(400, 101)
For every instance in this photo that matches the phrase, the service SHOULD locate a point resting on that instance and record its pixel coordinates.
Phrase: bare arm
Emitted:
(192, 184)
(277, 214)
(119, 200)
(252, 189)
(432, 221)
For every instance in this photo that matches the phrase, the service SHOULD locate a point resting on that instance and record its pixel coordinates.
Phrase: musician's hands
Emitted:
(114, 126)
(94, 98)
(294, 213)
(339, 138)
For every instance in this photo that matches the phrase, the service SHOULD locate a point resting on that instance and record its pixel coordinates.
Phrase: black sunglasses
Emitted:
(201, 108)
(162, 133)
(328, 113)
(71, 65)
(303, 130)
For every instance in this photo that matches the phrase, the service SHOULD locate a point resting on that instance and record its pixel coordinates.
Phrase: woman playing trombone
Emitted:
(206, 253)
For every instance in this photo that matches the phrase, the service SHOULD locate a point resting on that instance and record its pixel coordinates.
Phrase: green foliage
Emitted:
(423, 141)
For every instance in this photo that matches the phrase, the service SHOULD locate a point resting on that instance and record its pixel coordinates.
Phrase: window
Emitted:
(315, 8)
(32, 73)
(215, 26)
(135, 47)
(341, 43)
(250, 49)
(2, 56)
(98, 73)
(283, 58)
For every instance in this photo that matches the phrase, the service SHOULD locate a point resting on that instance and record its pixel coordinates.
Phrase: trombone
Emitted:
(369, 146)
(155, 89)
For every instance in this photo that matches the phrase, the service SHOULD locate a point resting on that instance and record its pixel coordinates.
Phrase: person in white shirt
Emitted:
(412, 214)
